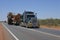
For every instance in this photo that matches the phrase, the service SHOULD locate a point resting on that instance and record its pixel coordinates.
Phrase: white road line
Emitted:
(10, 32)
(42, 32)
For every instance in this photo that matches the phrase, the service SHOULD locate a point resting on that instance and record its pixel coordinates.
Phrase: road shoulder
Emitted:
(3, 33)
(53, 28)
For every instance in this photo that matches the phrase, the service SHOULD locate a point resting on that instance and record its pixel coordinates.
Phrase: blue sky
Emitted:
(43, 8)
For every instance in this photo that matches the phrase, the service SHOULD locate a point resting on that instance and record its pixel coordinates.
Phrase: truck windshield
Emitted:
(29, 17)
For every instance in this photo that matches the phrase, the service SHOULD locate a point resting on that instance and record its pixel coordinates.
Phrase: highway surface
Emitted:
(51, 31)
(21, 33)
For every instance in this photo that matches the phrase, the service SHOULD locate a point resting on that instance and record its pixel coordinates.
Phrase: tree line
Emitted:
(49, 22)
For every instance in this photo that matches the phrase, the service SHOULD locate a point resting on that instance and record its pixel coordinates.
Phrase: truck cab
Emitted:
(29, 19)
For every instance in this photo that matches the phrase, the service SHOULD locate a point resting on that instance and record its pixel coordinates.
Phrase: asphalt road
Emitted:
(32, 34)
(51, 31)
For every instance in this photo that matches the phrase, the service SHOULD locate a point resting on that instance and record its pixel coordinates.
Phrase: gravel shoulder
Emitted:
(53, 27)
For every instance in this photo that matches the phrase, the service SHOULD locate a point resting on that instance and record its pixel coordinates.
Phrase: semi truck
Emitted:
(27, 19)
(30, 20)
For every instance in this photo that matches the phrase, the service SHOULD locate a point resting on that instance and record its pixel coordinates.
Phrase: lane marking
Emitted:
(41, 32)
(10, 32)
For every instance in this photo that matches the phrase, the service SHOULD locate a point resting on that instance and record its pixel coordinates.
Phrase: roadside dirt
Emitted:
(3, 34)
(52, 27)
